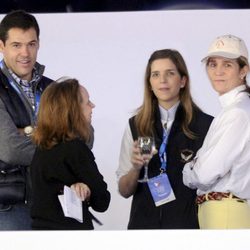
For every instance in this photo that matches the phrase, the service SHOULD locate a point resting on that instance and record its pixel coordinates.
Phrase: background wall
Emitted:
(108, 53)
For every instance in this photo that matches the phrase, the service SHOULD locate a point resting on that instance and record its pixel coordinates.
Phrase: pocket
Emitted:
(5, 208)
(12, 186)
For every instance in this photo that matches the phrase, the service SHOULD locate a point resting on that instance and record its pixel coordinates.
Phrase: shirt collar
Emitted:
(19, 80)
(37, 73)
(232, 96)
(168, 114)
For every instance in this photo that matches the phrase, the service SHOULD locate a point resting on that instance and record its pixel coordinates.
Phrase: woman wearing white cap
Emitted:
(221, 169)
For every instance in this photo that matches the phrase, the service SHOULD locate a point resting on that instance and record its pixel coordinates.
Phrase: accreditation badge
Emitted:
(161, 189)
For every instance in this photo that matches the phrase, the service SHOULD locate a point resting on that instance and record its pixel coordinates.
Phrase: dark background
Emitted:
(50, 6)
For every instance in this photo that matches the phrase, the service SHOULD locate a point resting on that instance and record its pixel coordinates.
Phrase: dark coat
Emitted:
(65, 164)
(20, 113)
(182, 212)
(13, 190)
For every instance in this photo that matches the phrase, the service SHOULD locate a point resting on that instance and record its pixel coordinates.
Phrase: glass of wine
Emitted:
(146, 145)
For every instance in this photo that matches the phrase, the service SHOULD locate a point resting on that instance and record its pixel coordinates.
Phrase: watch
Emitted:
(28, 130)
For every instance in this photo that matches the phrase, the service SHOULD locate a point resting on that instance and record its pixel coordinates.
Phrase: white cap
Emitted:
(227, 46)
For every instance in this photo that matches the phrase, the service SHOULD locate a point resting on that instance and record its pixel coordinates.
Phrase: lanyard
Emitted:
(37, 101)
(162, 151)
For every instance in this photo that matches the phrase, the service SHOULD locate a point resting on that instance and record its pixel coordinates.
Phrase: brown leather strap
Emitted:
(217, 196)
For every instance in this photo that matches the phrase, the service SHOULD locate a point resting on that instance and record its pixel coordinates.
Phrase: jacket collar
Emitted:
(233, 96)
(158, 133)
(37, 72)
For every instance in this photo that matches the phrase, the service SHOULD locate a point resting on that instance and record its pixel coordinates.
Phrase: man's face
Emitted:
(20, 51)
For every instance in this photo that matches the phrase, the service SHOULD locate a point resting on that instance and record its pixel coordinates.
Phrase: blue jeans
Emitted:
(15, 217)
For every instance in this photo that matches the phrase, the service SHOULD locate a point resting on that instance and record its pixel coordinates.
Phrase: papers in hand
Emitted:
(71, 204)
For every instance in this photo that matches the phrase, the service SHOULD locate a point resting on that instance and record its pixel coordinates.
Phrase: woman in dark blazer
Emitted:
(169, 113)
(62, 158)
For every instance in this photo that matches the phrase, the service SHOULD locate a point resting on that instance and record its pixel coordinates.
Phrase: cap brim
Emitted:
(220, 54)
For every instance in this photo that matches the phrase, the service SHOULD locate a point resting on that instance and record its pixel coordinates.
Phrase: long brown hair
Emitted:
(145, 114)
(60, 116)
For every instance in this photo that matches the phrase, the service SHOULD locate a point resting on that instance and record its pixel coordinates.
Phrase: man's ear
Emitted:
(1, 46)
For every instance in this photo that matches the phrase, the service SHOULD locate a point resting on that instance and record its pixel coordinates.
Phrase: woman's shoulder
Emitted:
(132, 119)
(76, 142)
(75, 145)
(201, 115)
(239, 111)
(201, 121)
(77, 148)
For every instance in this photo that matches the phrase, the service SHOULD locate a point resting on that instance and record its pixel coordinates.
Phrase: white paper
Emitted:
(71, 204)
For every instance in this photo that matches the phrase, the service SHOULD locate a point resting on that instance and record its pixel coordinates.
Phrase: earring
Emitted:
(242, 77)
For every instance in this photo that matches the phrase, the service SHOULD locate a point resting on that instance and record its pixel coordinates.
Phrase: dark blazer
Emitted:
(20, 114)
(180, 213)
(65, 164)
(16, 105)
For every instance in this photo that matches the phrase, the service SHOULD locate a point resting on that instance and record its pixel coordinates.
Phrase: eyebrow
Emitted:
(16, 42)
(224, 60)
(164, 70)
(229, 61)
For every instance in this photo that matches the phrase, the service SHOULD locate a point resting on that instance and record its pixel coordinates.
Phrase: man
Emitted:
(21, 85)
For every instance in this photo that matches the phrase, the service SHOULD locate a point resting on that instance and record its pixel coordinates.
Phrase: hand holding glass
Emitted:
(147, 147)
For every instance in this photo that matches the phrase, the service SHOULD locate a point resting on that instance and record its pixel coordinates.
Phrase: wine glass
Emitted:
(146, 145)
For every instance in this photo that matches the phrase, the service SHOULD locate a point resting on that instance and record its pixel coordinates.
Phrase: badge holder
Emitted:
(161, 189)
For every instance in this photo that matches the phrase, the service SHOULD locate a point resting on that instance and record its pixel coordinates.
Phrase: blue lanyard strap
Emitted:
(37, 101)
(162, 151)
